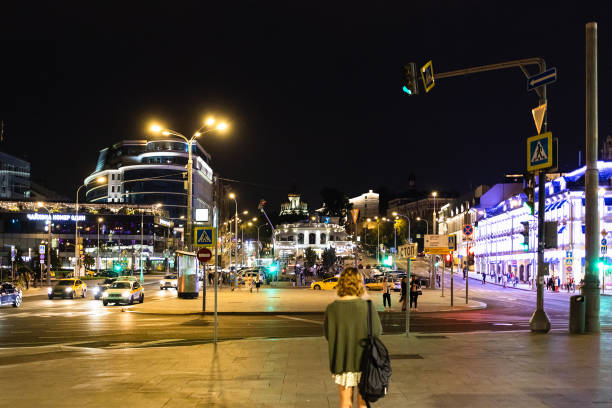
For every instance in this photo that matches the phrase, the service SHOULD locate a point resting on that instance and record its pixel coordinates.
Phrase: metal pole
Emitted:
(408, 294)
(395, 245)
(216, 223)
(236, 223)
(76, 235)
(539, 321)
(443, 270)
(377, 242)
(258, 242)
(189, 195)
(590, 288)
(141, 242)
(467, 273)
(98, 254)
(452, 288)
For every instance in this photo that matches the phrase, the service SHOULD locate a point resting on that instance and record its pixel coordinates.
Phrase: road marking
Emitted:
(299, 319)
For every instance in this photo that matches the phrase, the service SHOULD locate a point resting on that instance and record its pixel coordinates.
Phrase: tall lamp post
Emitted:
(408, 267)
(232, 196)
(431, 263)
(426, 224)
(206, 128)
(434, 194)
(77, 255)
(41, 205)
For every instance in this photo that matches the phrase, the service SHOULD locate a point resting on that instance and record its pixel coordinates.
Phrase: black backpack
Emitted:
(375, 366)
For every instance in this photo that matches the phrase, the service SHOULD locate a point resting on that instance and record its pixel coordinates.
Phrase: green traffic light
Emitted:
(408, 91)
(529, 207)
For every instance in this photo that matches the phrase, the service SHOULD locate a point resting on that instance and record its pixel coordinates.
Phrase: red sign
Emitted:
(204, 255)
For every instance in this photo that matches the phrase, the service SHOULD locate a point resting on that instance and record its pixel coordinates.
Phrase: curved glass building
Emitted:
(150, 172)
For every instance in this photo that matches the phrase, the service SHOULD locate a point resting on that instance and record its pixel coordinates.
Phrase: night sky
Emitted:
(312, 90)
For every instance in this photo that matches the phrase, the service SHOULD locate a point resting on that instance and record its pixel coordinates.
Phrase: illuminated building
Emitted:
(14, 178)
(147, 172)
(498, 241)
(367, 204)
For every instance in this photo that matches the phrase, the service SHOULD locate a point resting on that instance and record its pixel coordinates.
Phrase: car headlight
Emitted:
(96, 290)
(68, 290)
(49, 291)
(105, 294)
(125, 293)
(163, 282)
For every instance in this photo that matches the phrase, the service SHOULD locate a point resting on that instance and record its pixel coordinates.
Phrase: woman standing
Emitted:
(386, 287)
(404, 293)
(346, 326)
(414, 292)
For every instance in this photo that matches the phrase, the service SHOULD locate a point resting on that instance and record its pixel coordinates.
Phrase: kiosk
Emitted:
(188, 285)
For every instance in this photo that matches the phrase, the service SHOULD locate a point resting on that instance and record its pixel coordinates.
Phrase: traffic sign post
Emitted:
(543, 78)
(468, 230)
(540, 152)
(204, 255)
(204, 237)
(428, 76)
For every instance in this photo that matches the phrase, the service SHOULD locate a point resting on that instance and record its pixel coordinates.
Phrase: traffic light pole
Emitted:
(539, 320)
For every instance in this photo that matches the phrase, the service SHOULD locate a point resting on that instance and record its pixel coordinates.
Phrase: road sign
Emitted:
(355, 214)
(428, 76)
(604, 249)
(468, 230)
(538, 116)
(546, 77)
(204, 237)
(604, 241)
(13, 253)
(204, 255)
(41, 249)
(539, 152)
(604, 232)
(436, 244)
(568, 261)
(452, 242)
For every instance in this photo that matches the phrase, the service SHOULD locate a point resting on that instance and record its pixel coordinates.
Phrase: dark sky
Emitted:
(312, 90)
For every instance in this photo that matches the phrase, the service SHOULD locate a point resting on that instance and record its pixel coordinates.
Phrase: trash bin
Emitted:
(577, 314)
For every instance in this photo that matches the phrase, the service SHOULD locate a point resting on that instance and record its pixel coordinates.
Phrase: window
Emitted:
(291, 237)
(323, 237)
(113, 189)
(300, 238)
(312, 238)
(113, 177)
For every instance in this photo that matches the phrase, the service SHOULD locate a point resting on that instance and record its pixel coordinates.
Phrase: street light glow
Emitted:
(434, 193)
(232, 196)
(155, 128)
(100, 219)
(245, 212)
(210, 121)
(418, 218)
(394, 213)
(39, 204)
(222, 126)
(101, 179)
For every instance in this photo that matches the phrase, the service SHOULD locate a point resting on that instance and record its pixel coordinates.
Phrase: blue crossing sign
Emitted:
(546, 77)
(204, 237)
(540, 152)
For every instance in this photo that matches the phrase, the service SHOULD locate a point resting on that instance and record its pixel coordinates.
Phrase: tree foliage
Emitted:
(310, 257)
(329, 257)
(335, 202)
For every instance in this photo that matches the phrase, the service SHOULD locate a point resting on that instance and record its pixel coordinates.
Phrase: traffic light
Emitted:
(529, 191)
(410, 84)
(388, 261)
(525, 234)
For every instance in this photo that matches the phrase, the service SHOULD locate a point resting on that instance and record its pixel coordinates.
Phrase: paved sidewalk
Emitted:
(283, 301)
(458, 370)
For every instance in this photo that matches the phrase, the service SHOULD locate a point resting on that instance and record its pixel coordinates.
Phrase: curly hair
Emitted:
(350, 283)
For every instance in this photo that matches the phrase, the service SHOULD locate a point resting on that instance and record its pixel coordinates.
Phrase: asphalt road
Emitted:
(87, 323)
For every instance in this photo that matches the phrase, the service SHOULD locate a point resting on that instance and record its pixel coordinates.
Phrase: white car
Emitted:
(169, 281)
(123, 292)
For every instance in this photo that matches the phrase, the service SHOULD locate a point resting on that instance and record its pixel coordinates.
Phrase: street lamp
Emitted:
(41, 205)
(434, 194)
(426, 223)
(77, 255)
(232, 196)
(396, 214)
(208, 127)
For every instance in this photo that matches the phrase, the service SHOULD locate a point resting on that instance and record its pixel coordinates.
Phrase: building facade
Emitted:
(498, 241)
(291, 240)
(367, 204)
(147, 172)
(113, 228)
(14, 178)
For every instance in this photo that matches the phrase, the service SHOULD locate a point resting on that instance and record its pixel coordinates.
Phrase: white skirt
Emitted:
(347, 379)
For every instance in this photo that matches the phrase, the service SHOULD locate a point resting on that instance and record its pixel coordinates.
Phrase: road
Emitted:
(87, 323)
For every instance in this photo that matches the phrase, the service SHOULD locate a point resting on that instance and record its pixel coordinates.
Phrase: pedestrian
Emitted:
(484, 278)
(346, 327)
(257, 283)
(415, 291)
(386, 287)
(27, 278)
(404, 293)
(251, 282)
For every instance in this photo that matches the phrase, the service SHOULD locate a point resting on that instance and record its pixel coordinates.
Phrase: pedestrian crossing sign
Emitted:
(540, 152)
(204, 237)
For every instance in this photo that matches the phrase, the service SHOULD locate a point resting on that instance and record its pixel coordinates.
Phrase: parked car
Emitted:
(98, 290)
(247, 275)
(125, 291)
(169, 281)
(68, 288)
(10, 294)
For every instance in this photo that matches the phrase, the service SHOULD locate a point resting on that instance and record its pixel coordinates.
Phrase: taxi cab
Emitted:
(70, 288)
(326, 284)
(123, 291)
(375, 284)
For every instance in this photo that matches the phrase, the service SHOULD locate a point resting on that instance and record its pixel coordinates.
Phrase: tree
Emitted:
(89, 261)
(311, 257)
(56, 263)
(329, 258)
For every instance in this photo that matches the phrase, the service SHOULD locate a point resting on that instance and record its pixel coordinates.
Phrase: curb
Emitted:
(481, 306)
